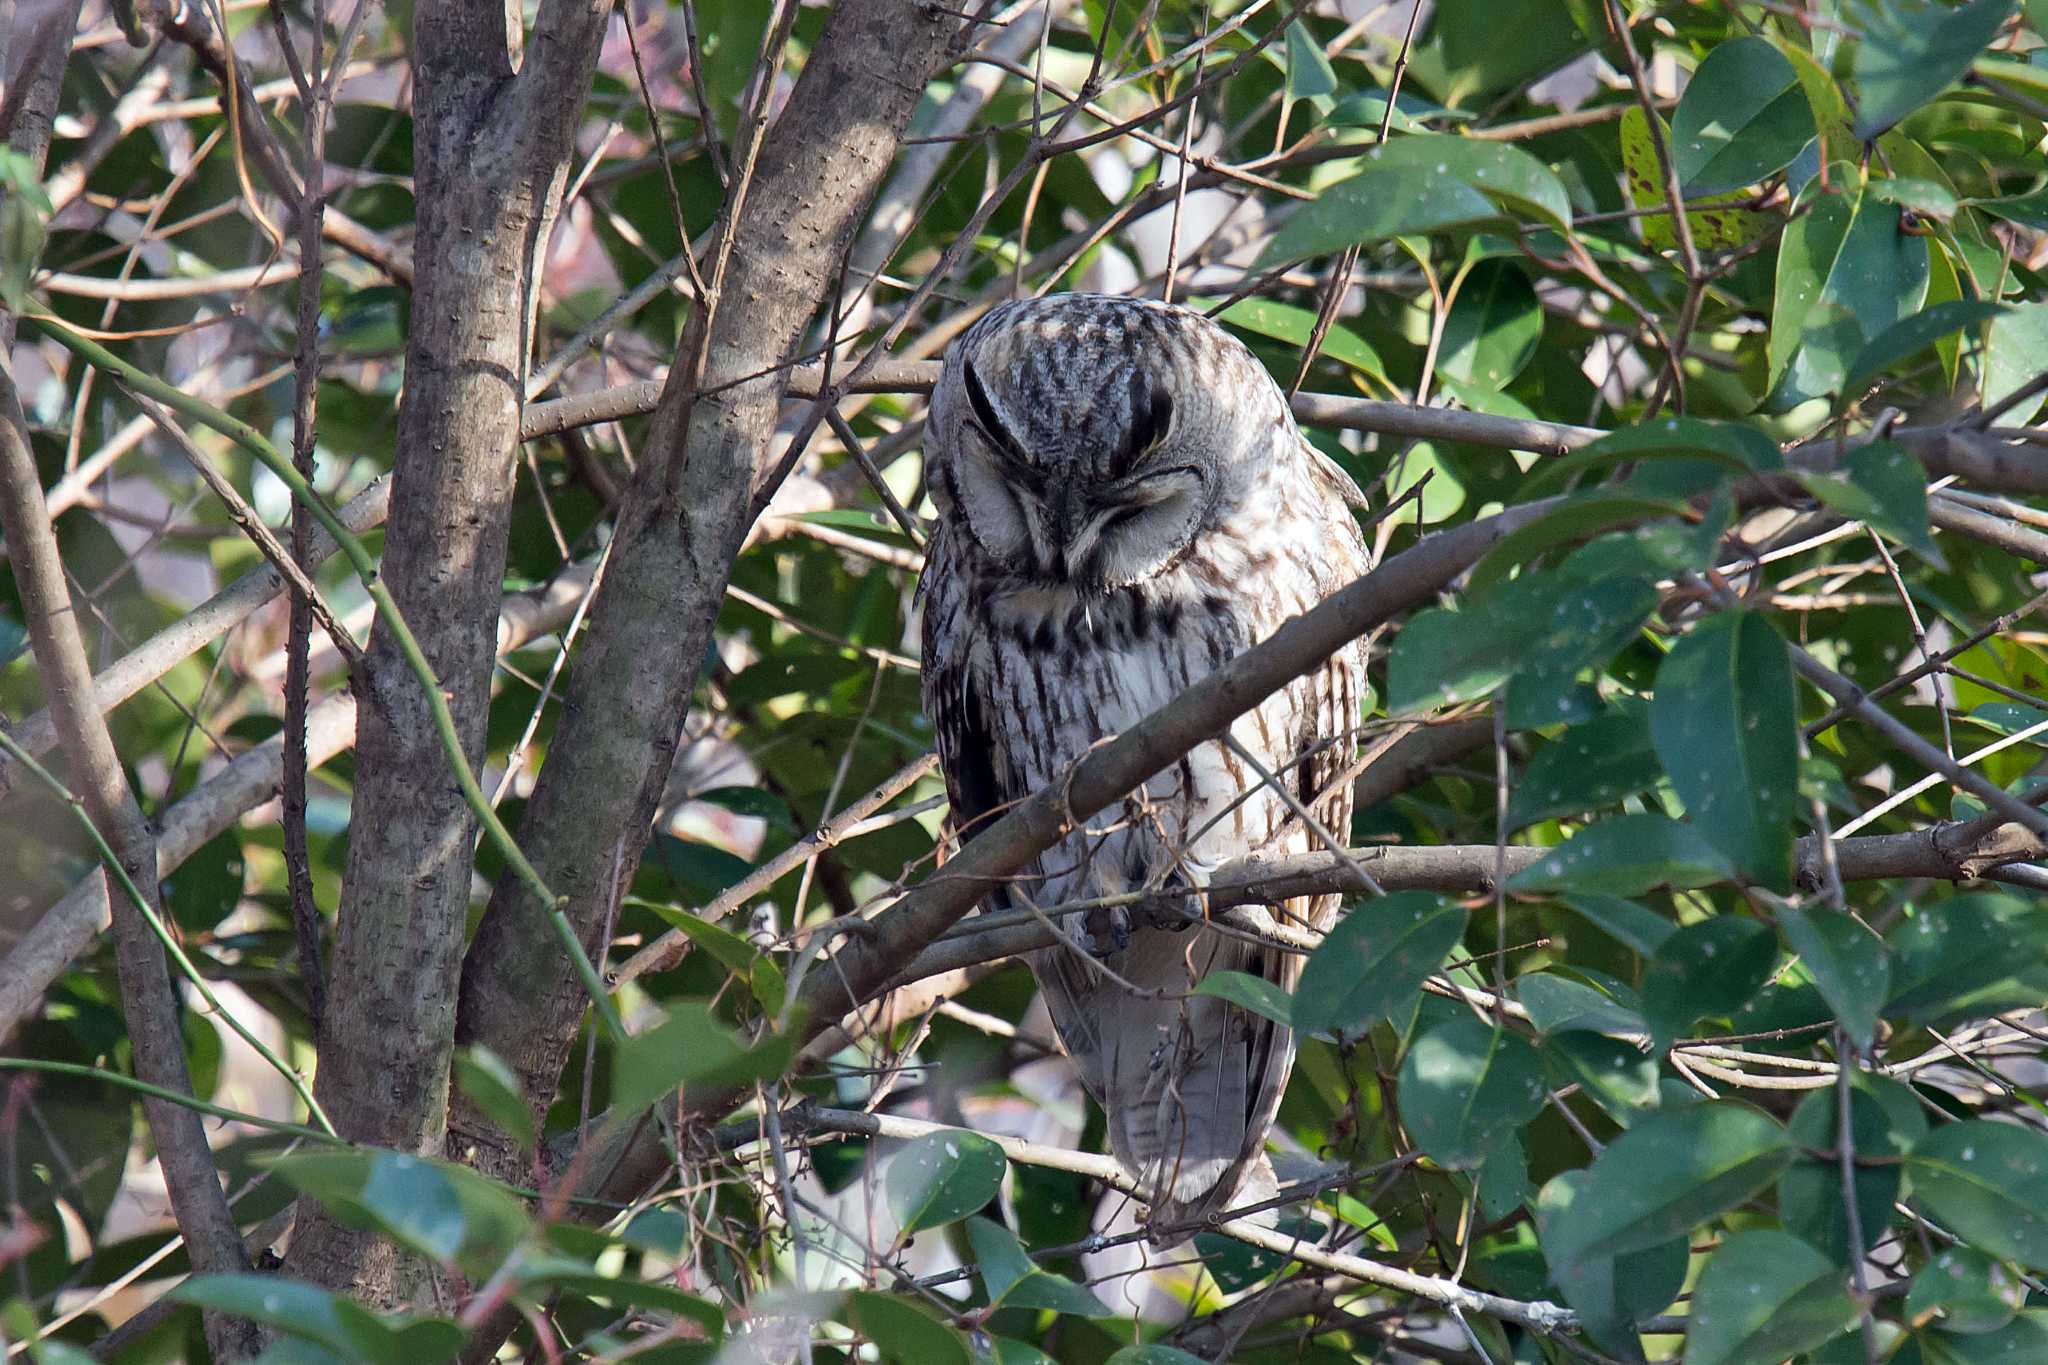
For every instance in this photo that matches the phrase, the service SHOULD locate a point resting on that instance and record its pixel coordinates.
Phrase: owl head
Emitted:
(1089, 440)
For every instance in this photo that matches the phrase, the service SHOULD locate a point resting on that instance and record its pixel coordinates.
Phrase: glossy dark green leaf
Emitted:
(1743, 116)
(761, 972)
(1611, 1294)
(296, 1309)
(1309, 73)
(488, 1083)
(1464, 1085)
(1969, 956)
(1254, 993)
(1493, 327)
(1846, 273)
(1238, 1266)
(1626, 855)
(1962, 1290)
(757, 802)
(1420, 184)
(1885, 488)
(1013, 1281)
(1724, 723)
(1153, 1353)
(942, 1177)
(1665, 1176)
(1907, 338)
(1912, 50)
(2014, 357)
(1588, 766)
(1987, 1183)
(691, 1046)
(1765, 1295)
(1710, 967)
(1618, 1076)
(1294, 325)
(1635, 927)
(2025, 1338)
(1558, 1004)
(904, 1332)
(1884, 1121)
(1371, 965)
(1848, 963)
(439, 1209)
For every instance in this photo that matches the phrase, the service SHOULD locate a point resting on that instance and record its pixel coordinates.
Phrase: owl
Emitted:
(1125, 504)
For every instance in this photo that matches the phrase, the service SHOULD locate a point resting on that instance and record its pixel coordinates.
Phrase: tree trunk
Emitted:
(491, 151)
(587, 822)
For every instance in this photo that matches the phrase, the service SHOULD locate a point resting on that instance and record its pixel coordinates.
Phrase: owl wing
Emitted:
(969, 748)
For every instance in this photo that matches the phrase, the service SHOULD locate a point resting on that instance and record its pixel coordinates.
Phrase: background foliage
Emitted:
(1701, 1014)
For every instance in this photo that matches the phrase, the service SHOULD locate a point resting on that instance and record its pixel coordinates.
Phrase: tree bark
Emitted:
(587, 821)
(491, 150)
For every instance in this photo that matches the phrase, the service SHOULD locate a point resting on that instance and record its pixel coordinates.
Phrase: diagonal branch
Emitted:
(149, 1004)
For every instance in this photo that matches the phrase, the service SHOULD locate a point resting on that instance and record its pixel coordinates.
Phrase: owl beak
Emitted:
(1072, 536)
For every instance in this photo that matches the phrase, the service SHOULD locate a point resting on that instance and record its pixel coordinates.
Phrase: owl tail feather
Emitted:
(1189, 1083)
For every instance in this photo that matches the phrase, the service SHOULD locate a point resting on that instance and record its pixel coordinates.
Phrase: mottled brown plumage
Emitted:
(1124, 504)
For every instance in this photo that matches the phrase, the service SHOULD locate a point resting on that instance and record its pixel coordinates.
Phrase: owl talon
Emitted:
(1109, 931)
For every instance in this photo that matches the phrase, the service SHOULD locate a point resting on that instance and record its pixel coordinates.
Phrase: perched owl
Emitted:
(1124, 505)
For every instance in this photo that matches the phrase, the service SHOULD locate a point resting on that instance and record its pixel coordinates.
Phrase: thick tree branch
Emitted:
(587, 820)
(491, 154)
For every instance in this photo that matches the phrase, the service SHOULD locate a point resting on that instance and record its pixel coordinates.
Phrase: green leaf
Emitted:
(1711, 967)
(1493, 328)
(763, 977)
(1420, 184)
(1665, 1176)
(488, 1083)
(903, 1331)
(1635, 927)
(1734, 447)
(1309, 73)
(2029, 210)
(1153, 1353)
(942, 1177)
(1725, 725)
(1886, 489)
(1254, 993)
(1626, 855)
(1718, 222)
(1963, 1290)
(1012, 1281)
(1285, 322)
(1884, 1120)
(1238, 1266)
(1846, 273)
(1616, 1075)
(1581, 517)
(1765, 1295)
(439, 1209)
(1848, 963)
(1611, 1294)
(1558, 1004)
(1969, 956)
(690, 1045)
(1987, 1183)
(1912, 50)
(1465, 1085)
(1907, 338)
(1589, 765)
(1371, 966)
(304, 1311)
(2014, 356)
(2024, 1338)
(1743, 116)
